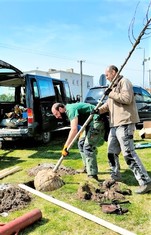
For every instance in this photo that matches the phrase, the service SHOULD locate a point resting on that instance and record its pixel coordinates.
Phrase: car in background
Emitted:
(142, 98)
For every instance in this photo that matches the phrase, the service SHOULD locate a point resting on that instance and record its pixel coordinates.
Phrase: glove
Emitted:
(81, 134)
(107, 91)
(95, 111)
(65, 152)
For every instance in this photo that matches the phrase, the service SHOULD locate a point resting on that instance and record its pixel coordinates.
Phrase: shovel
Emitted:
(84, 125)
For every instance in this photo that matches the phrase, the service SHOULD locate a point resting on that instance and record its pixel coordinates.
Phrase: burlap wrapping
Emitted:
(47, 180)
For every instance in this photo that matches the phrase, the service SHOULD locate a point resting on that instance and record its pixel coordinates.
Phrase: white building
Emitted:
(74, 79)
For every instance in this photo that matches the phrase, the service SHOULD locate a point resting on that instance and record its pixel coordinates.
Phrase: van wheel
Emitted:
(46, 137)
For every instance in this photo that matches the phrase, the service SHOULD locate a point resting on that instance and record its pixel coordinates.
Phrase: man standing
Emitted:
(123, 117)
(93, 134)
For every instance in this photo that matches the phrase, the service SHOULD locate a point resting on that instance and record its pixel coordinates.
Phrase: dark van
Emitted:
(142, 98)
(25, 104)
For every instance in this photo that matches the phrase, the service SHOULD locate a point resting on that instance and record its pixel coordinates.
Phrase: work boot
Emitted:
(82, 171)
(144, 189)
(116, 177)
(93, 177)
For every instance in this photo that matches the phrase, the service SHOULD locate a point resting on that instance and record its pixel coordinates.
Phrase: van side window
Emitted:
(35, 88)
(58, 93)
(67, 90)
(23, 96)
(46, 88)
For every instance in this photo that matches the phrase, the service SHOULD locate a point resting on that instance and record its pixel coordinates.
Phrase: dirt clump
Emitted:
(107, 191)
(12, 198)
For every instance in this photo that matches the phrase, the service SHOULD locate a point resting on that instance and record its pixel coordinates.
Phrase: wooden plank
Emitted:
(7, 172)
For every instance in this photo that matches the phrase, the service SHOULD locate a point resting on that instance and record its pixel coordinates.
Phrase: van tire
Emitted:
(46, 137)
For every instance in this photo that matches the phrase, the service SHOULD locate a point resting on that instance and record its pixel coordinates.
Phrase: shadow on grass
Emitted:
(34, 226)
(141, 140)
(55, 155)
(128, 177)
(6, 162)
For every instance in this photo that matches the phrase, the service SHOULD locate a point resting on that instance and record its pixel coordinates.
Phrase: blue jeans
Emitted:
(121, 140)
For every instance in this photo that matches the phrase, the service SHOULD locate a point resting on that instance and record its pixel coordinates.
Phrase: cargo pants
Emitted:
(87, 144)
(121, 140)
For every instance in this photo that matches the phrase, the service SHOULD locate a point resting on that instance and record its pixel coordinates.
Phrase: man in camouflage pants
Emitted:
(93, 134)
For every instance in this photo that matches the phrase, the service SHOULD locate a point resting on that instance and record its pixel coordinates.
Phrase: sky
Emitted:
(57, 34)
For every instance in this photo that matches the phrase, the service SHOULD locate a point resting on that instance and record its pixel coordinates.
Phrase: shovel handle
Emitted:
(58, 164)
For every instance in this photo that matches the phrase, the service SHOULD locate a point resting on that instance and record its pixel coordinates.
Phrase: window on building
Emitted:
(88, 84)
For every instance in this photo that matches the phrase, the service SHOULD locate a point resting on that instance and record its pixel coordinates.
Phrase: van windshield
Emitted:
(142, 95)
(147, 96)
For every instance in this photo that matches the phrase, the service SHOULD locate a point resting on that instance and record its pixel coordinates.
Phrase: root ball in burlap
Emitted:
(47, 180)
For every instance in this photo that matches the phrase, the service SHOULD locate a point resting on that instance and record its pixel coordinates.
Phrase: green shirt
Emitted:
(81, 110)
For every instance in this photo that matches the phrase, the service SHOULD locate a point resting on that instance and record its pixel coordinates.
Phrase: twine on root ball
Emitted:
(47, 180)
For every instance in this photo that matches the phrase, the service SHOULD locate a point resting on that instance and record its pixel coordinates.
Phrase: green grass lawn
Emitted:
(59, 221)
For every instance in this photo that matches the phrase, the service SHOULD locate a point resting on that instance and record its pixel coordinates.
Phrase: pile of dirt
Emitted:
(12, 198)
(62, 170)
(107, 191)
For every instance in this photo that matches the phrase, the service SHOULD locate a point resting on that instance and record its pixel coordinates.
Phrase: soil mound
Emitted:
(12, 198)
(61, 171)
(107, 191)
